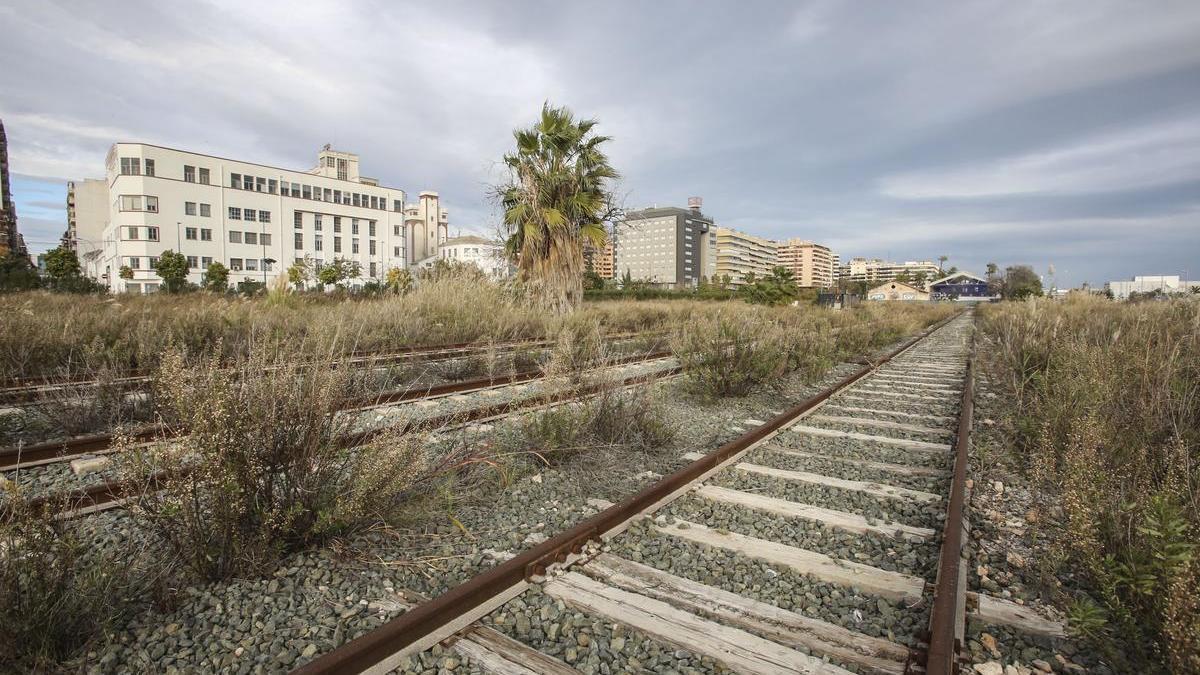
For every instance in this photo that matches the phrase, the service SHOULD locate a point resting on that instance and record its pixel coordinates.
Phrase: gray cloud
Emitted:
(1043, 133)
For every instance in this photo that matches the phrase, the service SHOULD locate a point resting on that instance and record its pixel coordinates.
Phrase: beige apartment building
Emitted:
(812, 264)
(599, 260)
(740, 254)
(877, 271)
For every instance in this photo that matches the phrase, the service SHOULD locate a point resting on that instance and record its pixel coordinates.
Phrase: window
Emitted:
(341, 169)
(249, 214)
(192, 262)
(235, 213)
(397, 205)
(264, 216)
(251, 237)
(337, 196)
(298, 241)
(131, 233)
(131, 166)
(189, 208)
(267, 264)
(317, 222)
(337, 223)
(189, 174)
(189, 233)
(139, 203)
(373, 269)
(371, 246)
(354, 226)
(328, 195)
(251, 264)
(235, 180)
(260, 184)
(295, 189)
(337, 244)
(298, 219)
(317, 242)
(247, 182)
(264, 239)
(354, 246)
(355, 199)
(395, 251)
(370, 228)
(308, 192)
(149, 167)
(206, 261)
(205, 234)
(329, 162)
(235, 264)
(396, 230)
(134, 263)
(374, 202)
(235, 237)
(203, 176)
(153, 262)
(272, 185)
(205, 210)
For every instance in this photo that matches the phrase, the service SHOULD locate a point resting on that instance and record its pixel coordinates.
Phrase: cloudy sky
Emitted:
(1064, 133)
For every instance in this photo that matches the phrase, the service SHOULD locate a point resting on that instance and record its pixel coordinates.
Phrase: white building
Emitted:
(1168, 284)
(254, 219)
(874, 270)
(87, 218)
(488, 256)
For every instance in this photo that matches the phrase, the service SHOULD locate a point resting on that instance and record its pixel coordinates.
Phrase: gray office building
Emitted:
(668, 247)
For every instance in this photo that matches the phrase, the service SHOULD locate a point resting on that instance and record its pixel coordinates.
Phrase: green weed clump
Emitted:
(1104, 409)
(730, 353)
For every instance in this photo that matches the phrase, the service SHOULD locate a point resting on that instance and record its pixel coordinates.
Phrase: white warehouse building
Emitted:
(488, 256)
(255, 219)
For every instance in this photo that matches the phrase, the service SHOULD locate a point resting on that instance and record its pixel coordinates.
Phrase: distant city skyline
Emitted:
(1014, 133)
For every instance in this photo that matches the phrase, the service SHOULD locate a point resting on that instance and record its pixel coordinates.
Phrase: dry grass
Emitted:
(1105, 412)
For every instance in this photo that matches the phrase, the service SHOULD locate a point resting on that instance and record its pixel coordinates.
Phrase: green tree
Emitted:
(941, 263)
(557, 198)
(592, 281)
(172, 268)
(299, 273)
(338, 271)
(1020, 282)
(400, 280)
(17, 274)
(216, 278)
(62, 266)
(777, 288)
(126, 272)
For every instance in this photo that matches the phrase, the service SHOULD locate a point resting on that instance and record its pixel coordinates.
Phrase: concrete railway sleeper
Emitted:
(753, 580)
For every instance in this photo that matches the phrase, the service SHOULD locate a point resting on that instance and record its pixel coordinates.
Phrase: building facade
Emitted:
(895, 291)
(488, 256)
(87, 215)
(740, 255)
(668, 247)
(255, 219)
(812, 264)
(961, 286)
(426, 225)
(599, 260)
(876, 271)
(1168, 283)
(10, 238)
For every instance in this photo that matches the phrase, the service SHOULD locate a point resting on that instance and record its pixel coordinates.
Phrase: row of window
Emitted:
(132, 166)
(251, 215)
(319, 244)
(288, 189)
(189, 209)
(256, 238)
(190, 174)
(319, 223)
(138, 203)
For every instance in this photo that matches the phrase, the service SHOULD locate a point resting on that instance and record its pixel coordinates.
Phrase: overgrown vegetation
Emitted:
(1105, 414)
(55, 592)
(261, 471)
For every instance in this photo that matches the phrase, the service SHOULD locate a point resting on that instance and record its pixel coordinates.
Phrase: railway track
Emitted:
(826, 539)
(442, 408)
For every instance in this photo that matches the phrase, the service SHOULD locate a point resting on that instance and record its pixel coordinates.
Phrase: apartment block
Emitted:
(1166, 283)
(255, 219)
(740, 254)
(812, 264)
(877, 271)
(669, 247)
(599, 260)
(10, 238)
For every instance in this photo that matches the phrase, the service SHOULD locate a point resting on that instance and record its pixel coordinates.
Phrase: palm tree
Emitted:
(557, 199)
(942, 262)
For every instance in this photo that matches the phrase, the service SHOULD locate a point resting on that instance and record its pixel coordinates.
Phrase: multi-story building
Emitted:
(10, 238)
(599, 260)
(740, 254)
(255, 219)
(87, 215)
(813, 265)
(668, 247)
(876, 271)
(1168, 284)
(488, 256)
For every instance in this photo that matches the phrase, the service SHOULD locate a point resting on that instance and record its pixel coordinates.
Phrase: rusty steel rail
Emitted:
(376, 650)
(948, 615)
(60, 450)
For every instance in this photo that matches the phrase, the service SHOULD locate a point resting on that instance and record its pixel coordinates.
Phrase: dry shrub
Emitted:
(57, 592)
(1104, 407)
(579, 350)
(260, 472)
(612, 419)
(730, 353)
